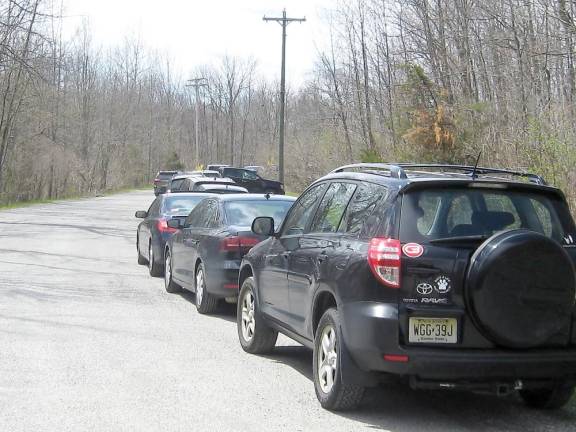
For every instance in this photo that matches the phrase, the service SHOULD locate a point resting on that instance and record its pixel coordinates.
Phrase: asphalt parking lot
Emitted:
(90, 342)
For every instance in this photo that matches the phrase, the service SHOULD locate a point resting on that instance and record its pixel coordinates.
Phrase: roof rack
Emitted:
(399, 170)
(395, 170)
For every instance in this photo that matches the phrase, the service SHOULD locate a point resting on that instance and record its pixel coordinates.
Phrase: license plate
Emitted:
(433, 330)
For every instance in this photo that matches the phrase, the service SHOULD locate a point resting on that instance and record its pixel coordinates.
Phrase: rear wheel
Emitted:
(332, 393)
(206, 303)
(548, 398)
(169, 284)
(153, 267)
(141, 259)
(255, 336)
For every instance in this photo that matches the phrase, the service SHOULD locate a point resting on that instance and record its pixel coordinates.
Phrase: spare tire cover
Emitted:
(520, 288)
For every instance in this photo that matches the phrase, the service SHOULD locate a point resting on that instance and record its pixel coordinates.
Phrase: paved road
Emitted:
(90, 342)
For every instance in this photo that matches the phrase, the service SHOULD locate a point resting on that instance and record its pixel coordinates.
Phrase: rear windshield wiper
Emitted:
(460, 239)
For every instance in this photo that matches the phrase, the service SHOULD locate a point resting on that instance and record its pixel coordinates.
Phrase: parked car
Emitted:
(205, 173)
(196, 183)
(252, 181)
(162, 180)
(215, 167)
(450, 277)
(204, 255)
(153, 231)
(256, 168)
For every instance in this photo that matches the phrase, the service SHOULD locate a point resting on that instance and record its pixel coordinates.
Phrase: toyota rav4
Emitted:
(444, 276)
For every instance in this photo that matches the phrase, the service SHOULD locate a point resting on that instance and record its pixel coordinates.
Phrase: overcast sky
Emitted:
(196, 32)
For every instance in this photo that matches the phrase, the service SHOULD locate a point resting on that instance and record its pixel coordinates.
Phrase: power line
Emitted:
(197, 83)
(283, 21)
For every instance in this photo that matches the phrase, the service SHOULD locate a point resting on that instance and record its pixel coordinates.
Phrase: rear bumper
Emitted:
(371, 330)
(222, 281)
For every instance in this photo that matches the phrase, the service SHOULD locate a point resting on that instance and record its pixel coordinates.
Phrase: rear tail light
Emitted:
(233, 243)
(384, 260)
(163, 227)
(156, 181)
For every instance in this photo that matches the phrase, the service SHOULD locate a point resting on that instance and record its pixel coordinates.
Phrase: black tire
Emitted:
(169, 284)
(154, 268)
(260, 339)
(554, 397)
(206, 303)
(141, 259)
(337, 396)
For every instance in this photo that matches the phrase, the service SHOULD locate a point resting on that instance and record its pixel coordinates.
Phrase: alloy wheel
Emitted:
(150, 257)
(167, 270)
(248, 321)
(327, 359)
(199, 287)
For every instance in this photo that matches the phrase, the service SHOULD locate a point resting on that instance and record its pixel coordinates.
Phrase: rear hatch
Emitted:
(440, 230)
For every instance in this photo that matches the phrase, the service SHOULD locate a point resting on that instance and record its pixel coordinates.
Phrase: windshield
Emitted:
(181, 205)
(233, 172)
(244, 212)
(445, 213)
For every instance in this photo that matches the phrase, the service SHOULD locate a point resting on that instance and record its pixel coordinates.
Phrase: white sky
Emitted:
(197, 32)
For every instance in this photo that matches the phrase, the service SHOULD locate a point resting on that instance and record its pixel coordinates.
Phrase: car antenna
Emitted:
(474, 175)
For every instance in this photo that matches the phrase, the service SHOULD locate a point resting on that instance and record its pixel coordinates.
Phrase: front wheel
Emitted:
(332, 393)
(254, 334)
(553, 397)
(206, 303)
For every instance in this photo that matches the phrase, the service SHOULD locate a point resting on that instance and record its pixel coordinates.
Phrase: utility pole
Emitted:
(197, 83)
(283, 21)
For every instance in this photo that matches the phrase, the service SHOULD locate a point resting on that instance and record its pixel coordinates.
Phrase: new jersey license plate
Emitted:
(433, 330)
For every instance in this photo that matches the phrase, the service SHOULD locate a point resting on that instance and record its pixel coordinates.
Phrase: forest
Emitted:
(396, 80)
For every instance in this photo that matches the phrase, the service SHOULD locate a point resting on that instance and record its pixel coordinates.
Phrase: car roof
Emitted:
(254, 196)
(185, 194)
(404, 177)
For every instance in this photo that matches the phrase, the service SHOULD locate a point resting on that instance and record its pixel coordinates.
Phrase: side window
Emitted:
(359, 211)
(249, 175)
(154, 210)
(332, 207)
(303, 210)
(544, 216)
(197, 215)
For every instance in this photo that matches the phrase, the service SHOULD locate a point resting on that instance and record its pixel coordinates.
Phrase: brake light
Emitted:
(384, 260)
(163, 227)
(233, 243)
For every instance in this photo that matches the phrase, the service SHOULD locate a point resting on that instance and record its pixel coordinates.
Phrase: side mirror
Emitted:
(263, 225)
(175, 223)
(141, 214)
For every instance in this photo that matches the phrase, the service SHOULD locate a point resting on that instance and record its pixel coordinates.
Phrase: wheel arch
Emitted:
(245, 272)
(323, 301)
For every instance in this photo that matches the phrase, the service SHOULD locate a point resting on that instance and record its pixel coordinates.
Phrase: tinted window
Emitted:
(359, 211)
(233, 172)
(244, 212)
(303, 210)
(165, 176)
(180, 205)
(211, 218)
(332, 207)
(433, 214)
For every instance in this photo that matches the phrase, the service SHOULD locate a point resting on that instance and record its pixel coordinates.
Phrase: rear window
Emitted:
(442, 213)
(244, 212)
(181, 205)
(166, 176)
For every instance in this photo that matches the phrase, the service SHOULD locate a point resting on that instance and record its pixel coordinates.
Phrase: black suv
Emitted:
(449, 277)
(252, 181)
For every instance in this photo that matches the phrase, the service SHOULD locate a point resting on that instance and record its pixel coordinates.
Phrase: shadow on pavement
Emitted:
(225, 311)
(396, 407)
